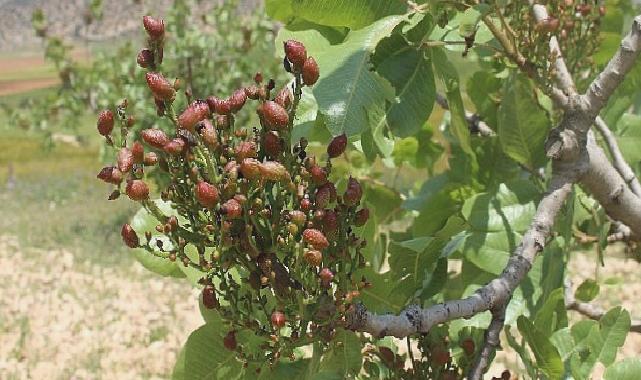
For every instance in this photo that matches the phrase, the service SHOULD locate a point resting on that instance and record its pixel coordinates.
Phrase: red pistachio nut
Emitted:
(155, 137)
(160, 87)
(207, 194)
(278, 319)
(353, 193)
(273, 171)
(138, 152)
(310, 72)
(151, 159)
(237, 100)
(250, 168)
(361, 217)
(229, 341)
(129, 236)
(296, 53)
(272, 144)
(175, 146)
(218, 106)
(125, 160)
(315, 238)
(319, 175)
(245, 149)
(110, 174)
(105, 122)
(155, 27)
(195, 112)
(313, 258)
(232, 209)
(274, 115)
(209, 297)
(326, 276)
(284, 97)
(209, 134)
(137, 190)
(145, 58)
(337, 146)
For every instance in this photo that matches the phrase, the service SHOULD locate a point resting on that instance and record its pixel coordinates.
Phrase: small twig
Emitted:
(617, 158)
(590, 310)
(492, 341)
(475, 124)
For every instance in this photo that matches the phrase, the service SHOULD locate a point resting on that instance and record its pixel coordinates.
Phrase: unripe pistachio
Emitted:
(284, 97)
(318, 174)
(218, 106)
(138, 152)
(297, 217)
(326, 276)
(229, 341)
(209, 297)
(208, 133)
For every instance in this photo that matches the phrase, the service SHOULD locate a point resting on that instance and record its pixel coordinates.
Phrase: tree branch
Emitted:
(494, 295)
(617, 158)
(590, 310)
(609, 79)
(608, 187)
(492, 341)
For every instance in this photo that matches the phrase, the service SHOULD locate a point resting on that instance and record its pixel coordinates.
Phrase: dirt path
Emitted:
(64, 320)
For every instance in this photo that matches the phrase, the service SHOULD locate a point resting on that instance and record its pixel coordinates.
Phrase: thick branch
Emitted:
(609, 79)
(617, 158)
(493, 295)
(609, 188)
(590, 310)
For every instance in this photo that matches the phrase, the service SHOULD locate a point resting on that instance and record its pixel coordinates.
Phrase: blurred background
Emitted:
(74, 304)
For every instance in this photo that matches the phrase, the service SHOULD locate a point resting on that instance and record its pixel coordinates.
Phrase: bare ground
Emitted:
(60, 319)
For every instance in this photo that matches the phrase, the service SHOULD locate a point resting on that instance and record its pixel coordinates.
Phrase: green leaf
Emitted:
(547, 357)
(627, 369)
(343, 356)
(489, 251)
(587, 291)
(354, 14)
(207, 358)
(614, 327)
(510, 208)
(552, 315)
(283, 370)
(470, 19)
(409, 70)
(143, 222)
(522, 124)
(279, 9)
(450, 78)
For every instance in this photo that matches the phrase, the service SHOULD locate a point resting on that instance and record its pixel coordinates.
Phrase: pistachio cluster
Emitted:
(255, 213)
